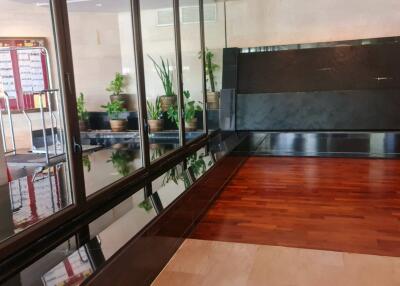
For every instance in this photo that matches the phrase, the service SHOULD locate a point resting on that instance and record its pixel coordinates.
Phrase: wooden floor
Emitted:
(350, 205)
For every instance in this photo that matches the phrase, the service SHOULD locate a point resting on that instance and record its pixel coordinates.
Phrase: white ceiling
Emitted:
(112, 6)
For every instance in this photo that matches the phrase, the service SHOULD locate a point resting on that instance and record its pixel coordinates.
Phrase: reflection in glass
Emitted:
(200, 162)
(35, 197)
(171, 184)
(69, 264)
(33, 161)
(105, 80)
(73, 270)
(110, 164)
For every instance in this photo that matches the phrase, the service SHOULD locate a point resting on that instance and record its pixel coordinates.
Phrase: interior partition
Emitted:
(333, 86)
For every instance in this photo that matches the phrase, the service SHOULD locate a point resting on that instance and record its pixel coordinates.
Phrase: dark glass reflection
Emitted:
(27, 200)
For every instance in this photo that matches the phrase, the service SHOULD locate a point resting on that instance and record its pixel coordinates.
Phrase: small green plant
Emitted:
(165, 75)
(83, 115)
(146, 205)
(154, 109)
(121, 160)
(190, 107)
(86, 162)
(211, 68)
(116, 85)
(114, 109)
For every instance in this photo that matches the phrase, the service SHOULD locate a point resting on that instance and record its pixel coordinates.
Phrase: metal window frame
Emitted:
(17, 244)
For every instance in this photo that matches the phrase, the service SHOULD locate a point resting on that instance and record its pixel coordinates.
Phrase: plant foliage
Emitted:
(121, 160)
(116, 85)
(114, 109)
(146, 205)
(211, 68)
(165, 75)
(154, 110)
(83, 115)
(190, 109)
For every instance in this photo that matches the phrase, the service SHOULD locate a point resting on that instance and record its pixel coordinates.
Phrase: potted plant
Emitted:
(116, 87)
(156, 123)
(121, 160)
(163, 71)
(115, 110)
(211, 68)
(83, 115)
(191, 107)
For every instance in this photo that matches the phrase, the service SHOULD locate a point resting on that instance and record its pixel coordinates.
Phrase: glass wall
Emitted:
(34, 166)
(215, 42)
(105, 80)
(158, 36)
(192, 67)
(36, 173)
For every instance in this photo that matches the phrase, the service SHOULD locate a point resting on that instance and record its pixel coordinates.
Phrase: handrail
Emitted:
(29, 124)
(11, 124)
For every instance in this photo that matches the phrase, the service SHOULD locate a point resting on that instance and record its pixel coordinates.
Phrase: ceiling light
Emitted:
(39, 4)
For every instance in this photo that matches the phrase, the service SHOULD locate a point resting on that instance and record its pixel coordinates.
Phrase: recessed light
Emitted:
(68, 1)
(99, 5)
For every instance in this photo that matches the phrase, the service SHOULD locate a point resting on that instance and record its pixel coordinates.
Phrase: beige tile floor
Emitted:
(212, 263)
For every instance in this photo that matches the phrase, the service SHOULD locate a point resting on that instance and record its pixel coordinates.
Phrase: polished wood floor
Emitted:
(350, 205)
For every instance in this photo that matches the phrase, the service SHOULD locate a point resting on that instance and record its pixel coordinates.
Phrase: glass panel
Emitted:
(103, 55)
(200, 162)
(192, 68)
(116, 227)
(69, 264)
(214, 37)
(33, 160)
(171, 185)
(160, 75)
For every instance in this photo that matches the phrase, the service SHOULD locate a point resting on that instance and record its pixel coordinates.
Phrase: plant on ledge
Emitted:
(115, 110)
(83, 115)
(191, 107)
(211, 68)
(155, 113)
(165, 75)
(116, 87)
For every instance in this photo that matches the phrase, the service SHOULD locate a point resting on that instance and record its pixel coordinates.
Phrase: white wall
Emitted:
(252, 23)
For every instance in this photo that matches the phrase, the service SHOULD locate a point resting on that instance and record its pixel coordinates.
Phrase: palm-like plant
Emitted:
(210, 68)
(165, 75)
(83, 115)
(154, 109)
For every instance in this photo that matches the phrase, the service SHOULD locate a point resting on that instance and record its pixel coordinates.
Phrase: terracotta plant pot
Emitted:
(155, 125)
(213, 100)
(122, 97)
(166, 102)
(118, 125)
(191, 125)
(83, 125)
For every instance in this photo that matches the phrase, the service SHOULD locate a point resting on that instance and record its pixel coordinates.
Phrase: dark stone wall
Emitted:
(338, 87)
(323, 110)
